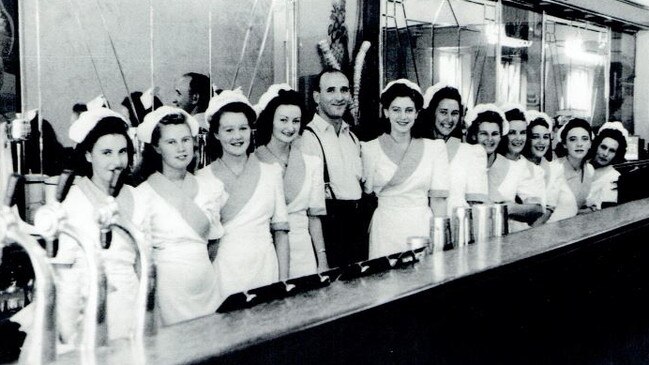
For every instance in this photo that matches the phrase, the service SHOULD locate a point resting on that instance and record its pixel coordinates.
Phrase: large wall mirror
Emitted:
(576, 67)
(451, 41)
(76, 50)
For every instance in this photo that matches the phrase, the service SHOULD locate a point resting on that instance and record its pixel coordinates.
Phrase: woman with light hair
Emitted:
(507, 180)
(181, 216)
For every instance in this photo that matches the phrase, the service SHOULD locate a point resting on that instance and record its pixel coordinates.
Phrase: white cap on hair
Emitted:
(507, 107)
(532, 115)
(224, 98)
(406, 82)
(431, 91)
(270, 94)
(616, 126)
(151, 120)
(473, 113)
(98, 102)
(558, 135)
(88, 120)
(148, 96)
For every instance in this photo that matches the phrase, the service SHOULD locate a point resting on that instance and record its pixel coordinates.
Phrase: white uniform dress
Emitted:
(179, 221)
(467, 174)
(118, 260)
(246, 257)
(604, 187)
(304, 193)
(510, 179)
(573, 194)
(403, 188)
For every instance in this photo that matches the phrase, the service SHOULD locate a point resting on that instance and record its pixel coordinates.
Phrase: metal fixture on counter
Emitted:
(500, 220)
(41, 343)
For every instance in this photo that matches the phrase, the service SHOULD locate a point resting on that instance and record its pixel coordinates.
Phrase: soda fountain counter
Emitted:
(570, 292)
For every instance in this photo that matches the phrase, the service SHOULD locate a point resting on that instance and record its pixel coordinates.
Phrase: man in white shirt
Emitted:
(329, 137)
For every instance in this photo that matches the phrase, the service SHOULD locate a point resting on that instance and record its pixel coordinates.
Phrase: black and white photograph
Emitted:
(324, 182)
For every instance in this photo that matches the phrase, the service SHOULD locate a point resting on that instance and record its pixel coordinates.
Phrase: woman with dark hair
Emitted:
(609, 148)
(511, 146)
(574, 143)
(278, 126)
(254, 249)
(408, 173)
(180, 214)
(103, 154)
(507, 180)
(467, 173)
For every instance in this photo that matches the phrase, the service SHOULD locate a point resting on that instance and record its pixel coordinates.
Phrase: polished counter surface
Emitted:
(219, 334)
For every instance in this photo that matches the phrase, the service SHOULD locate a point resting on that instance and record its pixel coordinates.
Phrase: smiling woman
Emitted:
(254, 249)
(181, 215)
(405, 171)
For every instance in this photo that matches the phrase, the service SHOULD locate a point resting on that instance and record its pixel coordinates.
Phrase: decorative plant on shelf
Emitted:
(335, 53)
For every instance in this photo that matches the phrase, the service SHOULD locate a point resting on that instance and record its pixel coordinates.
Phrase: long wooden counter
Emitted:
(311, 321)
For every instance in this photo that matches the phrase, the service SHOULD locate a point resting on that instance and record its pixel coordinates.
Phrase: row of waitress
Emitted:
(253, 218)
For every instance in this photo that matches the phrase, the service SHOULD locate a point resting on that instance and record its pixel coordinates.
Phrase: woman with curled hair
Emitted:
(609, 148)
(181, 216)
(512, 145)
(538, 151)
(467, 173)
(278, 126)
(507, 180)
(575, 139)
(407, 172)
(254, 249)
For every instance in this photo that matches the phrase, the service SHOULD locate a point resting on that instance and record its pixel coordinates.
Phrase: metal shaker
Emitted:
(461, 225)
(500, 220)
(482, 226)
(442, 238)
(417, 242)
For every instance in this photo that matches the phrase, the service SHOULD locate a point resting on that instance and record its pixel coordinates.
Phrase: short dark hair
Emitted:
(105, 126)
(79, 108)
(200, 84)
(615, 135)
(428, 114)
(515, 114)
(572, 124)
(326, 70)
(264, 124)
(213, 147)
(401, 90)
(488, 116)
(527, 149)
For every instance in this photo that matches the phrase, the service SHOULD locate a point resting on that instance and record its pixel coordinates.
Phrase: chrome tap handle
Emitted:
(95, 327)
(145, 314)
(65, 183)
(15, 182)
(40, 346)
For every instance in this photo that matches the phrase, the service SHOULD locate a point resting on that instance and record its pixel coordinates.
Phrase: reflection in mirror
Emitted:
(81, 49)
(441, 40)
(622, 78)
(521, 57)
(576, 62)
